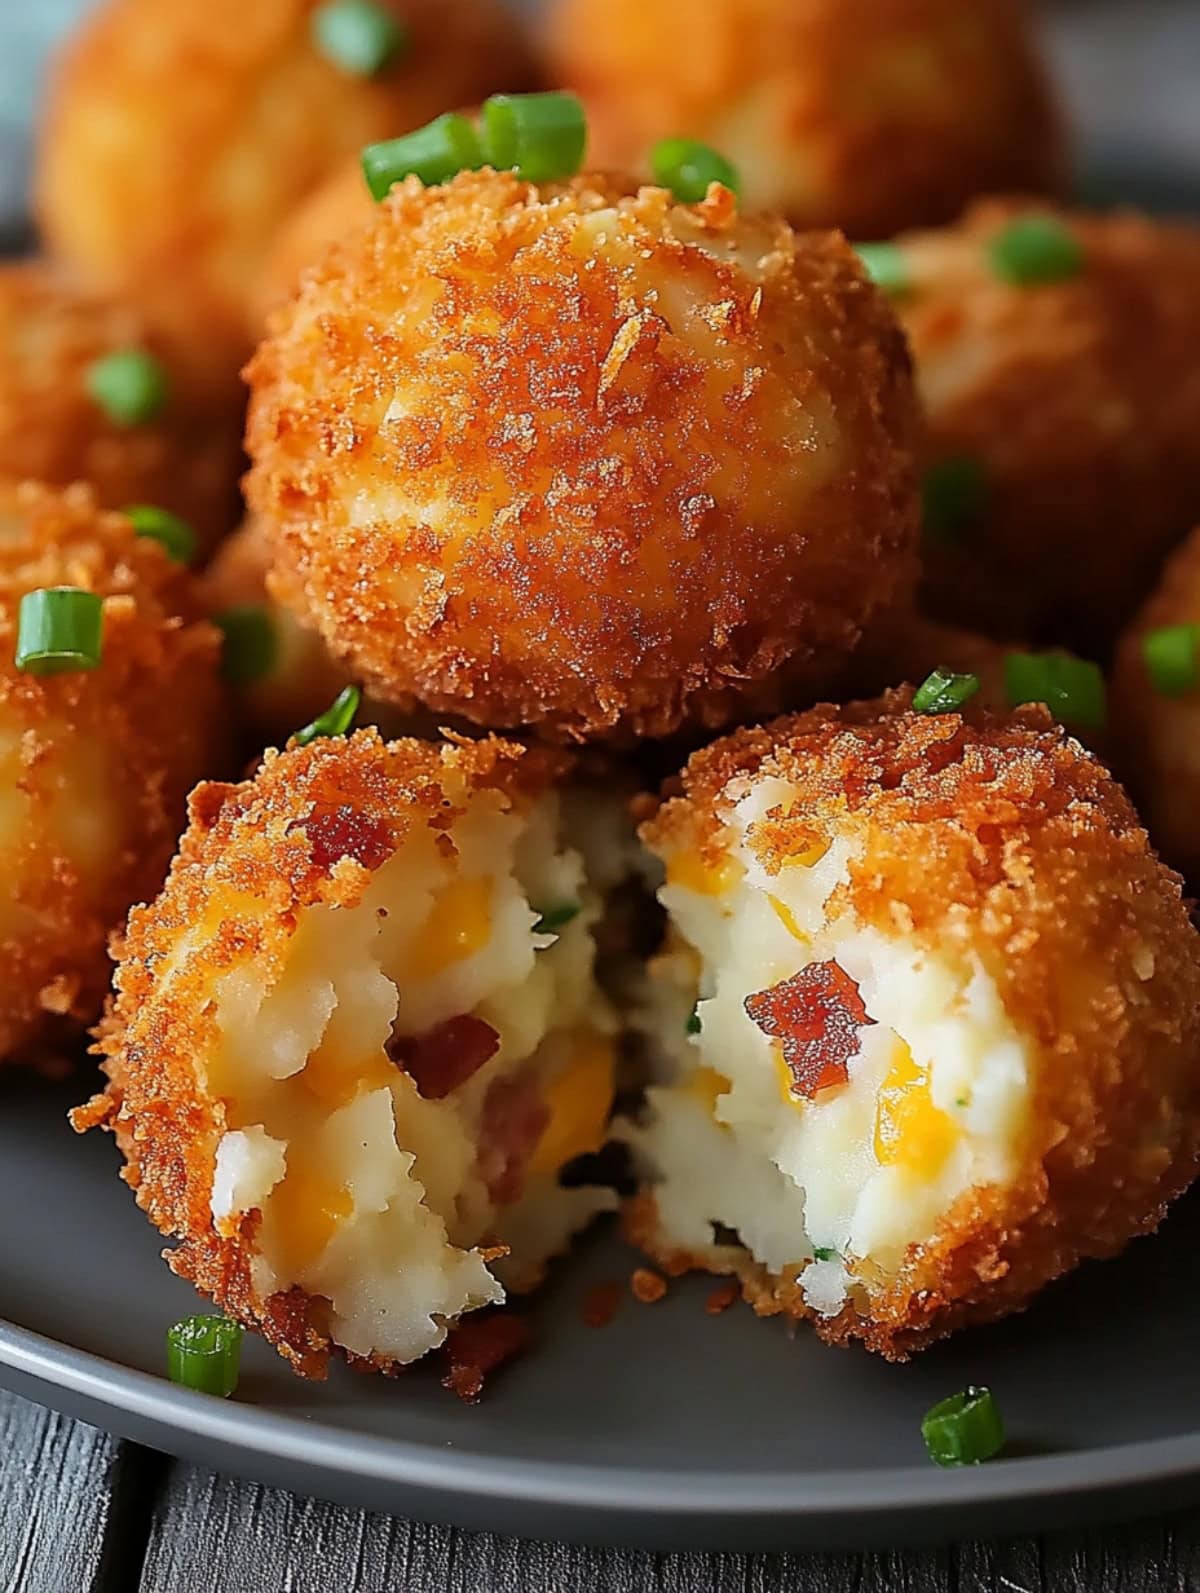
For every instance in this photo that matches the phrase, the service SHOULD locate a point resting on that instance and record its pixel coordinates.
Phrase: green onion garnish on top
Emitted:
(336, 719)
(434, 153)
(552, 919)
(1172, 655)
(359, 36)
(687, 168)
(953, 496)
(1072, 688)
(129, 385)
(1035, 249)
(250, 644)
(204, 1353)
(942, 691)
(539, 136)
(161, 525)
(886, 266)
(59, 630)
(964, 1429)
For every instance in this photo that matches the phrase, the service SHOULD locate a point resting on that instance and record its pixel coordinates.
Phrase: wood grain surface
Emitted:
(82, 1513)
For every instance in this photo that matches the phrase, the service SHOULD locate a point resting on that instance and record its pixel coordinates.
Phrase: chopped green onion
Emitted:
(129, 385)
(1172, 654)
(1072, 688)
(953, 495)
(204, 1352)
(358, 35)
(694, 1024)
(434, 153)
(539, 136)
(964, 1429)
(336, 719)
(556, 918)
(687, 168)
(942, 691)
(886, 266)
(1035, 249)
(823, 1253)
(250, 644)
(59, 629)
(176, 535)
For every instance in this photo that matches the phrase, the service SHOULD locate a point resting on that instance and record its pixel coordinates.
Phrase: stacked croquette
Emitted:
(561, 458)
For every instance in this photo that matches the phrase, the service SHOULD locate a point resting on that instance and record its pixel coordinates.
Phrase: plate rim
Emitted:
(574, 1488)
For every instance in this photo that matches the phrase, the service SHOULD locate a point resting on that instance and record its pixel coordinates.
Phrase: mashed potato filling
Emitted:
(828, 1090)
(404, 1085)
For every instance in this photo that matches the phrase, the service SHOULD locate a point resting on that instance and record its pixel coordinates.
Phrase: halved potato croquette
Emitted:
(869, 115)
(94, 764)
(944, 1014)
(584, 459)
(357, 1038)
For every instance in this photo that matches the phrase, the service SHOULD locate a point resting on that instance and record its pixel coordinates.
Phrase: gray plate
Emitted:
(667, 1428)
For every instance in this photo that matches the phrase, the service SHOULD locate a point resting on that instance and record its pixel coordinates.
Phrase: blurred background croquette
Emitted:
(95, 762)
(926, 1019)
(870, 115)
(176, 137)
(1058, 357)
(586, 459)
(88, 393)
(1156, 700)
(357, 1038)
(330, 213)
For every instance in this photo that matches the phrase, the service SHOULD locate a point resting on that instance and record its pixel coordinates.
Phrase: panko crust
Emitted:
(527, 505)
(251, 840)
(51, 429)
(1158, 735)
(1081, 400)
(176, 139)
(1001, 836)
(870, 115)
(154, 705)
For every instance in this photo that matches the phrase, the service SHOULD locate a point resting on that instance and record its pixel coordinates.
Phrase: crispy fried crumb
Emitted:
(647, 1286)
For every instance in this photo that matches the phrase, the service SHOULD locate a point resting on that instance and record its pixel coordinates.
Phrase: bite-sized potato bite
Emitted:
(330, 213)
(927, 1017)
(177, 137)
(1058, 356)
(584, 459)
(358, 1037)
(1156, 700)
(296, 679)
(869, 115)
(182, 454)
(94, 764)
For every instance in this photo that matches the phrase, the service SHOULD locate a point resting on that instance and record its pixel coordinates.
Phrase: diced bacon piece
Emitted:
(817, 1016)
(446, 1056)
(477, 1346)
(345, 831)
(514, 1119)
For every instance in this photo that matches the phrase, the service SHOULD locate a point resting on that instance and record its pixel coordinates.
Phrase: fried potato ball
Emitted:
(299, 679)
(870, 115)
(53, 429)
(945, 1013)
(585, 460)
(1062, 413)
(94, 764)
(330, 213)
(178, 138)
(1156, 695)
(357, 1038)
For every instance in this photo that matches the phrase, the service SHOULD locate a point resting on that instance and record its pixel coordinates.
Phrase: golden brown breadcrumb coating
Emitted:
(869, 115)
(186, 459)
(585, 460)
(1158, 734)
(330, 213)
(177, 138)
(999, 835)
(309, 827)
(96, 764)
(1080, 399)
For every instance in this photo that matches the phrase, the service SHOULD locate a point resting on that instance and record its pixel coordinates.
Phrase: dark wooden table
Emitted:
(81, 1512)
